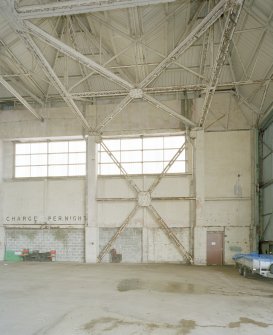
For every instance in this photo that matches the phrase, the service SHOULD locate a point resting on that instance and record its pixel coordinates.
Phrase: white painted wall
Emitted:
(51, 202)
(137, 117)
(219, 157)
(226, 154)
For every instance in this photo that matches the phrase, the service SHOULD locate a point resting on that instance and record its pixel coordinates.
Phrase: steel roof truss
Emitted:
(80, 7)
(77, 56)
(54, 78)
(194, 35)
(235, 8)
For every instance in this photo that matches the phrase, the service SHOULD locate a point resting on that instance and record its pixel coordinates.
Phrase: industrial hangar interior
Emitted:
(136, 132)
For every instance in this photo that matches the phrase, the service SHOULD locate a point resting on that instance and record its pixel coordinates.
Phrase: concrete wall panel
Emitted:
(174, 212)
(228, 213)
(114, 187)
(66, 198)
(162, 249)
(47, 201)
(236, 241)
(23, 198)
(227, 154)
(174, 186)
(112, 214)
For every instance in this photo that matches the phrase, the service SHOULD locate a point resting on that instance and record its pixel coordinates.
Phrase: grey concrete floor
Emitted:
(117, 299)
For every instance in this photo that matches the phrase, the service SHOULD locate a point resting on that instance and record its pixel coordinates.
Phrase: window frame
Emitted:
(48, 153)
(163, 150)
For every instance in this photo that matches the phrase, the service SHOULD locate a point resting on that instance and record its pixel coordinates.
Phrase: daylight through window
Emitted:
(145, 155)
(50, 159)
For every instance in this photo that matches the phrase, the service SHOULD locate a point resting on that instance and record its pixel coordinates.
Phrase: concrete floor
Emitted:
(117, 299)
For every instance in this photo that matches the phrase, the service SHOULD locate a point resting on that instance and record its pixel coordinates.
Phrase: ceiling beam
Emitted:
(20, 98)
(80, 7)
(198, 88)
(194, 35)
(77, 56)
(235, 8)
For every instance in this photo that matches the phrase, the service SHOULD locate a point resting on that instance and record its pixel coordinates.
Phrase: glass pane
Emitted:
(58, 147)
(152, 155)
(39, 148)
(22, 172)
(22, 148)
(77, 158)
(22, 160)
(57, 170)
(156, 167)
(77, 146)
(105, 158)
(101, 148)
(182, 156)
(132, 168)
(77, 170)
(107, 169)
(153, 143)
(38, 171)
(131, 156)
(112, 144)
(38, 159)
(131, 144)
(177, 167)
(169, 154)
(173, 141)
(58, 159)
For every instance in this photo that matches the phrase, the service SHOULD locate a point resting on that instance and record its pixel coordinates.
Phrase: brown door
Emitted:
(215, 248)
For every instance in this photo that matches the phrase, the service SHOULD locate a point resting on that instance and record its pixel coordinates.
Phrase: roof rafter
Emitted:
(80, 7)
(172, 89)
(74, 54)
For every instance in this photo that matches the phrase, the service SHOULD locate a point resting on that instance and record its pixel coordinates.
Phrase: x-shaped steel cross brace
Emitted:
(144, 199)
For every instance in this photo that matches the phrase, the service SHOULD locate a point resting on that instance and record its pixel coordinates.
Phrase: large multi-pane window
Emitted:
(50, 159)
(143, 155)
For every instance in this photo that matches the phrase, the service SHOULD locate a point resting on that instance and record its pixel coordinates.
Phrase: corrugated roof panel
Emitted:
(174, 77)
(262, 8)
(191, 57)
(118, 18)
